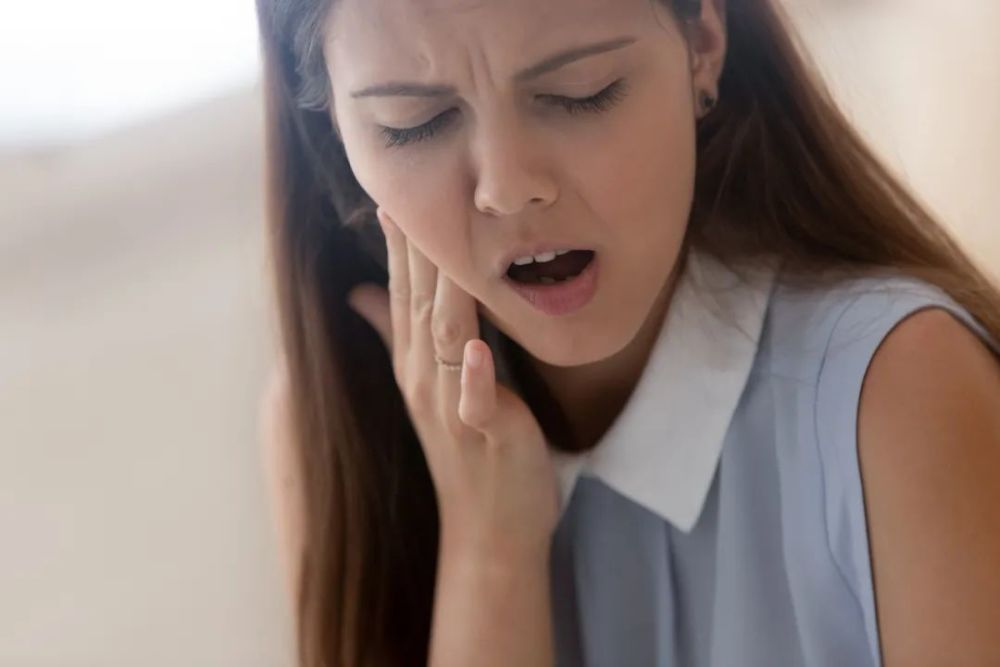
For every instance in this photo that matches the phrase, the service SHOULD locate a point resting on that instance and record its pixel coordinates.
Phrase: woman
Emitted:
(612, 414)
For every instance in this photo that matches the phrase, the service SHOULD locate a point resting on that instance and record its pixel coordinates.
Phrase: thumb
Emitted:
(372, 303)
(477, 403)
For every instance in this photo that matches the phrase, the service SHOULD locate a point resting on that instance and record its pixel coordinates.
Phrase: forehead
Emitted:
(368, 36)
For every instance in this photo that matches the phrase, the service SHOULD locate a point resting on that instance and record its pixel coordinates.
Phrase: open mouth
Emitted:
(557, 285)
(559, 269)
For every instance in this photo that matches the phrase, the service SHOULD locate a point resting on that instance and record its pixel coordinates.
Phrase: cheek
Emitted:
(423, 194)
(393, 178)
(641, 178)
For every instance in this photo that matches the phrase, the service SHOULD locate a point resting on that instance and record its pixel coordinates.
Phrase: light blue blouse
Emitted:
(720, 521)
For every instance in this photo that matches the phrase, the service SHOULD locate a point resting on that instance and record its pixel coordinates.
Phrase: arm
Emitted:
(485, 613)
(283, 478)
(929, 450)
(488, 613)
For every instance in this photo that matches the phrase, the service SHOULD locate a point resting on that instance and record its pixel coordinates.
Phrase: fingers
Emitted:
(424, 314)
(423, 285)
(399, 285)
(372, 303)
(453, 324)
(478, 400)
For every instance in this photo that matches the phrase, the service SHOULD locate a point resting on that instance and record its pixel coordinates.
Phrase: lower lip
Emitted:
(562, 298)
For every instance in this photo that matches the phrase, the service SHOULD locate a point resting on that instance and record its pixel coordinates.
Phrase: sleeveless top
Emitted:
(720, 521)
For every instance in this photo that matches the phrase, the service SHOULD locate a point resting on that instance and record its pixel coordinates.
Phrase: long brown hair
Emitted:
(779, 170)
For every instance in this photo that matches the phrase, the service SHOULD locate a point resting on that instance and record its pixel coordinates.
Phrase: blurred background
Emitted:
(135, 319)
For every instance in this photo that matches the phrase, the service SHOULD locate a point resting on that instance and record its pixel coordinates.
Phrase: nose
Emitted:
(510, 172)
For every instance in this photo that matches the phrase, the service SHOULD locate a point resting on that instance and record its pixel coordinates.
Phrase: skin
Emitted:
(929, 453)
(510, 166)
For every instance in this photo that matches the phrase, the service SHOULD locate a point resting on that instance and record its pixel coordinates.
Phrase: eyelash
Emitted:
(597, 103)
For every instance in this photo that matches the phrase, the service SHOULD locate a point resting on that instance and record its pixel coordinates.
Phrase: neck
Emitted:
(591, 396)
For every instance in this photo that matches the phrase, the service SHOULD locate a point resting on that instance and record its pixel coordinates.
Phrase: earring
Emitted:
(707, 103)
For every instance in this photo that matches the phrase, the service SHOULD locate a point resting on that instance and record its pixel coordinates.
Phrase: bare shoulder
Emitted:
(282, 473)
(929, 451)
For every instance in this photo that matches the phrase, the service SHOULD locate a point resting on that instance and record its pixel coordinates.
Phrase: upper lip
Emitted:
(537, 249)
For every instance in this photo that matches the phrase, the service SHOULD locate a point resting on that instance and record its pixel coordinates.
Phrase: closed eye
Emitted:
(600, 101)
(597, 103)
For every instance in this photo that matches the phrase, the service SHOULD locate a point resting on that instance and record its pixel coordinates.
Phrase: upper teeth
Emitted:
(544, 257)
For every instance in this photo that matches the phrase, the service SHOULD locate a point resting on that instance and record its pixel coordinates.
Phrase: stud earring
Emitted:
(707, 103)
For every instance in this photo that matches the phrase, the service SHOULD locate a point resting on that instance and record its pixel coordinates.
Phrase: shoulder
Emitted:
(929, 450)
(283, 477)
(817, 321)
(903, 396)
(933, 361)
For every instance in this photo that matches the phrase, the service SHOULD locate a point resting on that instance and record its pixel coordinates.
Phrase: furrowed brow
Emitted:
(553, 62)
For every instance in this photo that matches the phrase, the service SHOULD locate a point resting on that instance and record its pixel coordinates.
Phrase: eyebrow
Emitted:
(553, 62)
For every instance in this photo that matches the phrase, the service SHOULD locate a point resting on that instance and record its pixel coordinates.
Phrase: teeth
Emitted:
(543, 257)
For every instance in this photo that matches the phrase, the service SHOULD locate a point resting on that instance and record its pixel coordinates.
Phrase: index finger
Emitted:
(399, 284)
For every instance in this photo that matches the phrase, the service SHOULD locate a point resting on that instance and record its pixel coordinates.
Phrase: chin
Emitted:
(577, 345)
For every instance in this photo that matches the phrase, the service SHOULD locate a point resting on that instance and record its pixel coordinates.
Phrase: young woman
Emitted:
(607, 341)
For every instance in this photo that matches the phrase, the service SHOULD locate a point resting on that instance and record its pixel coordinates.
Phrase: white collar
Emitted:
(664, 447)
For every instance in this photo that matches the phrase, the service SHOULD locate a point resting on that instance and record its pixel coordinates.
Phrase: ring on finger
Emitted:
(447, 365)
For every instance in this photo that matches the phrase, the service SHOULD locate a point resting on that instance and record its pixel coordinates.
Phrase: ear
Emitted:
(707, 43)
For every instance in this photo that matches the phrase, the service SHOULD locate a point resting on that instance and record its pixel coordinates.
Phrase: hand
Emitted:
(486, 453)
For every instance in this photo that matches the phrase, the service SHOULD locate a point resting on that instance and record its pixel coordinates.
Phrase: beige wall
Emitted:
(134, 336)
(922, 79)
(133, 340)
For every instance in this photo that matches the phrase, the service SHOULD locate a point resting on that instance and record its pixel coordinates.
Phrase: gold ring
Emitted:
(448, 365)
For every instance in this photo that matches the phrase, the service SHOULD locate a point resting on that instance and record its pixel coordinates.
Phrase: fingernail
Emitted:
(473, 356)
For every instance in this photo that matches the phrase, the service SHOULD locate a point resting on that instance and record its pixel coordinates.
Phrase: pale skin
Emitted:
(929, 450)
(507, 169)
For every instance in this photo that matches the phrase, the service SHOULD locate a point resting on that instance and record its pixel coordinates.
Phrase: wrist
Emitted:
(491, 609)
(500, 561)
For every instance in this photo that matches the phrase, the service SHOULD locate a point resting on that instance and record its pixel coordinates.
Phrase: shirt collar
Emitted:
(664, 447)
